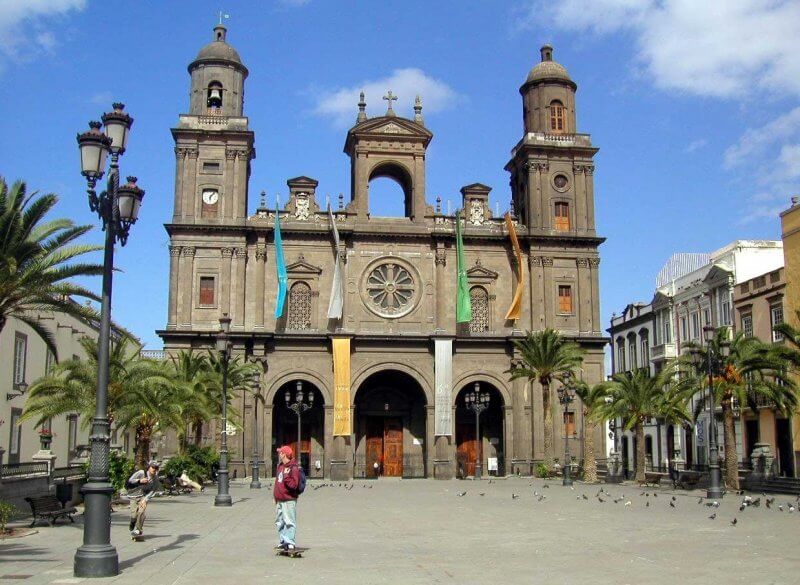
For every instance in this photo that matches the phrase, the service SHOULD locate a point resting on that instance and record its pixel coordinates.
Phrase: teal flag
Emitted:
(280, 263)
(463, 302)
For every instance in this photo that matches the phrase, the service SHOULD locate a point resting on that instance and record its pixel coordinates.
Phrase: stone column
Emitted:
(261, 257)
(186, 276)
(180, 169)
(521, 432)
(536, 278)
(430, 441)
(238, 210)
(226, 260)
(581, 217)
(537, 420)
(328, 434)
(268, 449)
(442, 301)
(239, 287)
(589, 170)
(594, 264)
(174, 260)
(548, 293)
(229, 195)
(584, 296)
(191, 201)
(508, 438)
(545, 213)
(531, 218)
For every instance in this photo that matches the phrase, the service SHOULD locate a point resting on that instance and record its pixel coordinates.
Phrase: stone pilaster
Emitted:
(443, 303)
(226, 261)
(239, 286)
(261, 258)
(174, 261)
(186, 276)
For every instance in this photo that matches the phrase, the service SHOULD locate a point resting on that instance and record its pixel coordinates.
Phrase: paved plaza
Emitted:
(423, 531)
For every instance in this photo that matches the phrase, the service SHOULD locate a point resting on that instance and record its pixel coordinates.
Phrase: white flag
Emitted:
(337, 289)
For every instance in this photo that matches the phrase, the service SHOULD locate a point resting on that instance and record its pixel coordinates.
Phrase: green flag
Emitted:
(463, 303)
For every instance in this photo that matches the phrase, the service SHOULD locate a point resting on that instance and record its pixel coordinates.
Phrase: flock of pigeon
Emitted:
(347, 486)
(602, 496)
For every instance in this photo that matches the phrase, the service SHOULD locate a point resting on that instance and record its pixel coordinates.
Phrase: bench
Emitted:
(653, 478)
(687, 479)
(49, 508)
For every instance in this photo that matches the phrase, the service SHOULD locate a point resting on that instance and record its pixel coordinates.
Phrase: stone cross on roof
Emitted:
(390, 98)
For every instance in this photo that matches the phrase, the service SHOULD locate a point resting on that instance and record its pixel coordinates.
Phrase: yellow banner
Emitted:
(341, 390)
(516, 304)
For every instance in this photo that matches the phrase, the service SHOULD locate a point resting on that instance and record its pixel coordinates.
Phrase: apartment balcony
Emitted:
(665, 351)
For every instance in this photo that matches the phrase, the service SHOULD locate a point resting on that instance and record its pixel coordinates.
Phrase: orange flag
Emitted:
(516, 304)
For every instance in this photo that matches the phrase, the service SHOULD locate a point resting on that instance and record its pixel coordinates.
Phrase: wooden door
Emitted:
(393, 447)
(467, 448)
(374, 446)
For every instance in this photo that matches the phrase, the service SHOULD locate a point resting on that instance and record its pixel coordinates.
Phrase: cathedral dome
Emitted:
(548, 69)
(219, 49)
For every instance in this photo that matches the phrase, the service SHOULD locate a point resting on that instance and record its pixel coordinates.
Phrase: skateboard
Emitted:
(294, 553)
(139, 538)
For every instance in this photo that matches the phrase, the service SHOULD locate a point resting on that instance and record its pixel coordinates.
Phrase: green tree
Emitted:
(544, 356)
(745, 369)
(190, 373)
(593, 399)
(35, 255)
(637, 395)
(241, 377)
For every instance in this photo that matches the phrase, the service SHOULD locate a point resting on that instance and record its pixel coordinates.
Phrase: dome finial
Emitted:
(547, 52)
(362, 108)
(418, 111)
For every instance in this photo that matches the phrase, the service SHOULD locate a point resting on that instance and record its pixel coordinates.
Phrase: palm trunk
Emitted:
(731, 461)
(640, 470)
(549, 454)
(589, 462)
(143, 435)
(198, 433)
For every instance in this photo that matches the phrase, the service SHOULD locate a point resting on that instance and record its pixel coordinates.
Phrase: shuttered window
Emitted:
(207, 291)
(556, 117)
(562, 217)
(20, 349)
(569, 423)
(564, 299)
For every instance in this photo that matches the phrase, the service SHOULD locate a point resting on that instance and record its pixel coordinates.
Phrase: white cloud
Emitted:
(293, 3)
(24, 33)
(696, 145)
(341, 105)
(720, 48)
(790, 159)
(756, 141)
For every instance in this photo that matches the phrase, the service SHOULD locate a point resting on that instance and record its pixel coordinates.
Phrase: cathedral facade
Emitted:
(389, 368)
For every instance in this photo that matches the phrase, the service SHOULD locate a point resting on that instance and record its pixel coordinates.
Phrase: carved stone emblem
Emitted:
(301, 207)
(477, 214)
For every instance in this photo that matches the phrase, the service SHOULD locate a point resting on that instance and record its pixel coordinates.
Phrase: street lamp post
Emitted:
(255, 484)
(299, 406)
(566, 395)
(118, 208)
(613, 475)
(223, 497)
(477, 402)
(714, 481)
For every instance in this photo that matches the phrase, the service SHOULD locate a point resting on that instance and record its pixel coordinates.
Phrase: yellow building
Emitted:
(790, 233)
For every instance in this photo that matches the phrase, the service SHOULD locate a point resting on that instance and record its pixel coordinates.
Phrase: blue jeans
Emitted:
(285, 515)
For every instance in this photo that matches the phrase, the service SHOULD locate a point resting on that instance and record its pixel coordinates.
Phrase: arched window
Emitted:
(214, 98)
(562, 217)
(299, 307)
(479, 297)
(557, 116)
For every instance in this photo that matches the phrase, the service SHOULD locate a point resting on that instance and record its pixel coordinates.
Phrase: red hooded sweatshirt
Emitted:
(286, 482)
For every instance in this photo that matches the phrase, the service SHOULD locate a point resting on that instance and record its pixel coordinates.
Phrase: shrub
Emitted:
(198, 462)
(6, 510)
(120, 468)
(543, 471)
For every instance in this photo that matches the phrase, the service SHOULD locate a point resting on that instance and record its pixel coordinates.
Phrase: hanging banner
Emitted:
(443, 374)
(463, 301)
(280, 263)
(341, 387)
(336, 304)
(516, 304)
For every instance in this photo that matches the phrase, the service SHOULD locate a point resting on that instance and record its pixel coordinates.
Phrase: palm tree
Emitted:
(637, 395)
(240, 379)
(72, 384)
(593, 399)
(745, 369)
(545, 356)
(35, 271)
(189, 374)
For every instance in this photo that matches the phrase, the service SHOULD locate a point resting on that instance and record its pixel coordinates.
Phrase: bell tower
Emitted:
(213, 142)
(551, 167)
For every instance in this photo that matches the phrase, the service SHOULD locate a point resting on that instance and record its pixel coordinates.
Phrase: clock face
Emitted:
(210, 197)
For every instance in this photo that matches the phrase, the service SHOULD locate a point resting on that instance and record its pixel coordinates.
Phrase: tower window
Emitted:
(299, 307)
(557, 116)
(206, 291)
(214, 101)
(479, 298)
(564, 299)
(562, 217)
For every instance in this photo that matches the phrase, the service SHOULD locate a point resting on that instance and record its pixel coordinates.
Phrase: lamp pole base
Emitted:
(96, 560)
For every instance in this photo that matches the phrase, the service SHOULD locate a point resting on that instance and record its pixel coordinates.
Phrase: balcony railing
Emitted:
(27, 469)
(154, 354)
(663, 351)
(71, 472)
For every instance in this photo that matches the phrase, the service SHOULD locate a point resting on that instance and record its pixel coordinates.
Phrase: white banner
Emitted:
(443, 373)
(336, 304)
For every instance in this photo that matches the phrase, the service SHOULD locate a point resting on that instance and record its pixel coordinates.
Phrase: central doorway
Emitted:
(389, 426)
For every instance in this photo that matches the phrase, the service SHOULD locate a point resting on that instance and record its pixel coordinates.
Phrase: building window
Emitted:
(747, 325)
(776, 318)
(479, 297)
(564, 299)
(620, 356)
(15, 438)
(212, 168)
(299, 307)
(645, 353)
(214, 98)
(724, 308)
(207, 290)
(49, 362)
(562, 217)
(667, 328)
(569, 423)
(556, 117)
(126, 443)
(20, 351)
(72, 436)
(684, 329)
(706, 317)
(695, 325)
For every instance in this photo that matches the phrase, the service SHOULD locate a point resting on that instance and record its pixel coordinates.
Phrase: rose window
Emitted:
(391, 290)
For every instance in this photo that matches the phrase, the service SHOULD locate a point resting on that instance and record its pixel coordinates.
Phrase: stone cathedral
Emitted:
(390, 374)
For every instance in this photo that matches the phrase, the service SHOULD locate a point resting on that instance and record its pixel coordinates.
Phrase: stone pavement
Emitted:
(422, 532)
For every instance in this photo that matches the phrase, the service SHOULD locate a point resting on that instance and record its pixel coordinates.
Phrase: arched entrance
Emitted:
(489, 446)
(312, 425)
(389, 426)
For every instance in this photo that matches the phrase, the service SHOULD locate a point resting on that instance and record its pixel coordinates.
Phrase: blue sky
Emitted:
(694, 107)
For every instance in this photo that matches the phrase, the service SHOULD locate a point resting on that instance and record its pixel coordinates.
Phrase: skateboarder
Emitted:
(287, 489)
(142, 486)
